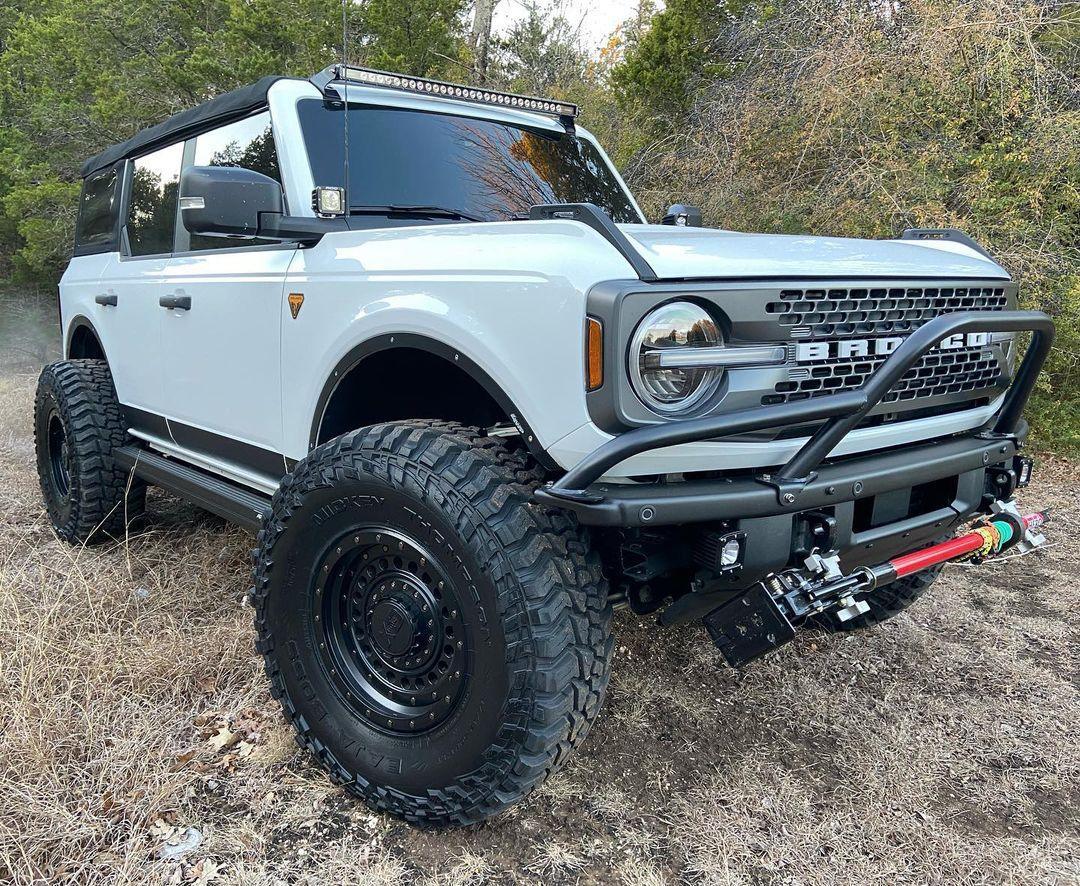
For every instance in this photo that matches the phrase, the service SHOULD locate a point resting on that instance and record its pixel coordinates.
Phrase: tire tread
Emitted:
(552, 602)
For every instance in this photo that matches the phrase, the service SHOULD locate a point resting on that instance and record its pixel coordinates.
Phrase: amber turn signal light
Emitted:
(594, 354)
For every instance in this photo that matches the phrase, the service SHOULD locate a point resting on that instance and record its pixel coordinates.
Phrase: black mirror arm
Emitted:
(303, 229)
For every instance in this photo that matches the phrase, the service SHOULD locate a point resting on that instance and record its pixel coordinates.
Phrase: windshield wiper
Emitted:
(425, 211)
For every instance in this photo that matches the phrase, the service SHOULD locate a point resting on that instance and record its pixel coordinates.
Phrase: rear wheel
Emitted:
(77, 425)
(440, 642)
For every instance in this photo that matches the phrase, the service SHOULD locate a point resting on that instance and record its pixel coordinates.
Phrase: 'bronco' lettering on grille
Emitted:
(808, 352)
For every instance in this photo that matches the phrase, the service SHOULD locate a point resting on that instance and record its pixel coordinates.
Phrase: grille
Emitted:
(815, 314)
(938, 373)
(831, 313)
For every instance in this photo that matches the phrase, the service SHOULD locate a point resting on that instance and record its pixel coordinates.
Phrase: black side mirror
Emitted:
(683, 216)
(225, 201)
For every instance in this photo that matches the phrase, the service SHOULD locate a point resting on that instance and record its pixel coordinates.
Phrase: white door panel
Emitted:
(223, 356)
(78, 288)
(131, 331)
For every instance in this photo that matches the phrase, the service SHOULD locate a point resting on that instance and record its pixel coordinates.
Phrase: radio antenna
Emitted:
(345, 92)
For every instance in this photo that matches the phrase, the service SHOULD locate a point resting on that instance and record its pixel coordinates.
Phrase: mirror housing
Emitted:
(683, 216)
(226, 201)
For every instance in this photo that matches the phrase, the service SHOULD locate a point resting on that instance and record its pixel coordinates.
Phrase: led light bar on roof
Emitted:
(371, 77)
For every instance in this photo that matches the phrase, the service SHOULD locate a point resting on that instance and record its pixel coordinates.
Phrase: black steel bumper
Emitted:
(805, 482)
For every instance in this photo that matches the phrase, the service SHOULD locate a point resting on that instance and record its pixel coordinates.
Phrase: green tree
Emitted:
(862, 124)
(680, 50)
(425, 38)
(542, 54)
(78, 75)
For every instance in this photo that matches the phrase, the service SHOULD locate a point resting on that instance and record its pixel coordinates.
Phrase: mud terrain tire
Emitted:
(77, 425)
(429, 529)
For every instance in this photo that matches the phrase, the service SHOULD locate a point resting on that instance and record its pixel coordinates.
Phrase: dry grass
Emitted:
(940, 748)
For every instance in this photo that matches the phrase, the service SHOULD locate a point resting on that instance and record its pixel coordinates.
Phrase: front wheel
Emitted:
(439, 641)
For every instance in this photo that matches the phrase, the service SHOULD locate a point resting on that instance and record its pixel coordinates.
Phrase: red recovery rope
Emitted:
(986, 539)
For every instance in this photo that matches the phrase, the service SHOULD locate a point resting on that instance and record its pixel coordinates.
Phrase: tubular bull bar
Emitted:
(799, 485)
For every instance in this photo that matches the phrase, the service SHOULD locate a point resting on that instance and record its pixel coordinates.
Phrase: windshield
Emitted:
(478, 168)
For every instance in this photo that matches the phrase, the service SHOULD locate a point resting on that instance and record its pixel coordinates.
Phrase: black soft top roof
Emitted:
(230, 106)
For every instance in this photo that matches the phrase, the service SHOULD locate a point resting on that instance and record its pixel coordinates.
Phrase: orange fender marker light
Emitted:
(594, 354)
(296, 300)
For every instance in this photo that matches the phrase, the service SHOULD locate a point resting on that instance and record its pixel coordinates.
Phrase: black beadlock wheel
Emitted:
(77, 425)
(393, 635)
(440, 642)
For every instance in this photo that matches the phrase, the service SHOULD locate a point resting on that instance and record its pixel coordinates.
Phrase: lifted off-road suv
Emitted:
(419, 337)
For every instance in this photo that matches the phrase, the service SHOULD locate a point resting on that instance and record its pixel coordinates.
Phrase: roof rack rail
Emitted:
(325, 80)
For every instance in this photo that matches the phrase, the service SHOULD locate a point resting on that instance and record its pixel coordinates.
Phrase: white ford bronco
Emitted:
(420, 338)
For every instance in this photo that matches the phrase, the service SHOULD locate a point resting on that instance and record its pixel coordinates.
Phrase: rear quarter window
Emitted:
(95, 229)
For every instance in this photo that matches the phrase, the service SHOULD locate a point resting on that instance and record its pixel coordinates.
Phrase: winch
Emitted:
(765, 617)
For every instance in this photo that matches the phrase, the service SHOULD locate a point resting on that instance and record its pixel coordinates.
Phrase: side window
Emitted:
(95, 231)
(152, 209)
(246, 143)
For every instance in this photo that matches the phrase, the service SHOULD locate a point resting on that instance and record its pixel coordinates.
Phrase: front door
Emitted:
(221, 339)
(222, 348)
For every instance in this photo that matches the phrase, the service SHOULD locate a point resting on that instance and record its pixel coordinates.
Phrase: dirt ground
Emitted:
(939, 748)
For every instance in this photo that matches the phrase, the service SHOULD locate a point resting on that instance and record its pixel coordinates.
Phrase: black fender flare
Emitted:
(407, 340)
(81, 321)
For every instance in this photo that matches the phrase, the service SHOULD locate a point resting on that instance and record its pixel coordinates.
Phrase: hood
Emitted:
(686, 253)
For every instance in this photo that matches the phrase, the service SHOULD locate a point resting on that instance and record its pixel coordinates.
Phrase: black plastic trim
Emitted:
(226, 449)
(200, 442)
(432, 346)
(953, 234)
(215, 494)
(594, 217)
(146, 422)
(739, 498)
(79, 321)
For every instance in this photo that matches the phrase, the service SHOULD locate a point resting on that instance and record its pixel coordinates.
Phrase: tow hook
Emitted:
(765, 617)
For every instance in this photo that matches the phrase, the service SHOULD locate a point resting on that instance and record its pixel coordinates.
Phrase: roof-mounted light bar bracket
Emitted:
(327, 82)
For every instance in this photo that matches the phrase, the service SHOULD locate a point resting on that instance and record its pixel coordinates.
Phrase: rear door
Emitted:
(222, 384)
(133, 278)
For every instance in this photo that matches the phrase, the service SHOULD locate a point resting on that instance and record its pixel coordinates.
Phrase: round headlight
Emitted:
(678, 325)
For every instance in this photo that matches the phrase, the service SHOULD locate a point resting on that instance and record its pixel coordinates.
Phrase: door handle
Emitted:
(179, 302)
(108, 301)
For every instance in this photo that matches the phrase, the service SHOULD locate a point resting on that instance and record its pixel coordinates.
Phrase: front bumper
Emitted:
(806, 482)
(864, 477)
